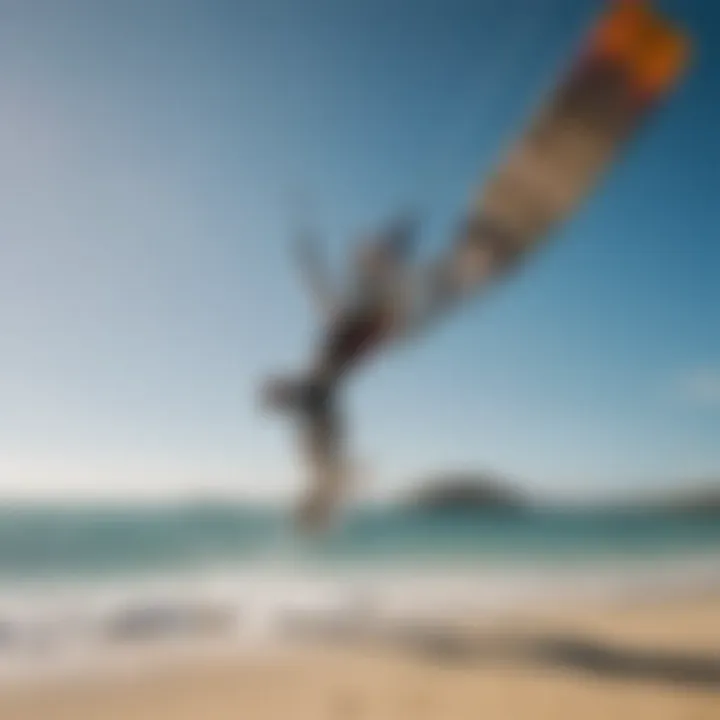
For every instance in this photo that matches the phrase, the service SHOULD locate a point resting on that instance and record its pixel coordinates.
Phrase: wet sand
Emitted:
(656, 662)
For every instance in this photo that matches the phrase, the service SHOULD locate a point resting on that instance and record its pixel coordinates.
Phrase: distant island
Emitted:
(468, 491)
(465, 491)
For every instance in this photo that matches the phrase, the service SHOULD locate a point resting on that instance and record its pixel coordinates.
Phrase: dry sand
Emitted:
(656, 662)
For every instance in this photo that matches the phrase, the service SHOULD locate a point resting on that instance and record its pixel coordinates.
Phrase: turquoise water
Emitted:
(54, 542)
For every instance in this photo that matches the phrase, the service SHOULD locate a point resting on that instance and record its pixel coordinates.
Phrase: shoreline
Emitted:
(656, 659)
(269, 635)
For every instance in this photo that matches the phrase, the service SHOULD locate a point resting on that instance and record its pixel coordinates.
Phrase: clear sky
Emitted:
(149, 149)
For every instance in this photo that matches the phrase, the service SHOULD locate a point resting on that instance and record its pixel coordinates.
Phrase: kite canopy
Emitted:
(629, 60)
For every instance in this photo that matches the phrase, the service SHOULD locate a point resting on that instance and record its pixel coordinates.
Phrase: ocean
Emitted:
(100, 542)
(74, 580)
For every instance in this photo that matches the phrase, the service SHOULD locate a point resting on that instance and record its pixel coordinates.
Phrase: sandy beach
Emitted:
(659, 661)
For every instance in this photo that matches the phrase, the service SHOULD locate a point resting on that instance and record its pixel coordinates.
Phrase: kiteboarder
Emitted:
(357, 322)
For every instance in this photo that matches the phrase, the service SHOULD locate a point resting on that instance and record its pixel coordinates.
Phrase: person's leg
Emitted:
(323, 446)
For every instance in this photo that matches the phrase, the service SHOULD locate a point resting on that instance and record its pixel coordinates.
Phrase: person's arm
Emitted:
(314, 274)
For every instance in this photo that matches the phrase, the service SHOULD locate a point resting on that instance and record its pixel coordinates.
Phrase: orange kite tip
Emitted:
(651, 49)
(661, 67)
(619, 29)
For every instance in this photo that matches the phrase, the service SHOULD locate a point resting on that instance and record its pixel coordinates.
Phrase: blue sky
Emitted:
(150, 150)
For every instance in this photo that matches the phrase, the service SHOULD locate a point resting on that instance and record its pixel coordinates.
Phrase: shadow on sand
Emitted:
(574, 652)
(569, 652)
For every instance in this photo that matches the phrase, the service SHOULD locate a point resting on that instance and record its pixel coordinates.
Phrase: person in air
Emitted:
(357, 323)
